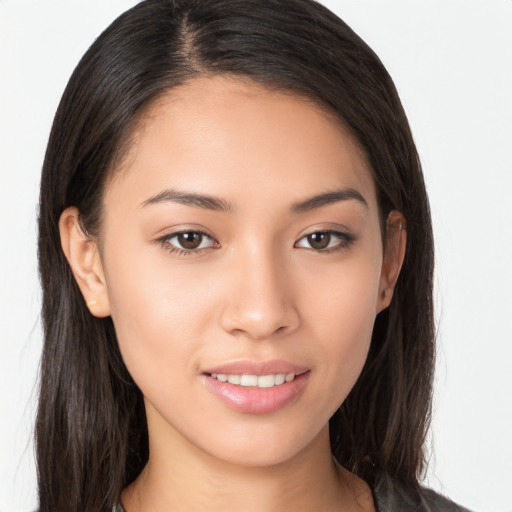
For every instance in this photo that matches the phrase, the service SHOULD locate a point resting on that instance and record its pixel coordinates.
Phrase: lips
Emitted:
(246, 367)
(256, 387)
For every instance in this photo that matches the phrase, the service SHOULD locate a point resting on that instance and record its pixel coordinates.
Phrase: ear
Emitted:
(394, 254)
(83, 257)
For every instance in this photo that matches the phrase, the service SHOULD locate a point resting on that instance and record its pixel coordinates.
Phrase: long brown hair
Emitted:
(91, 432)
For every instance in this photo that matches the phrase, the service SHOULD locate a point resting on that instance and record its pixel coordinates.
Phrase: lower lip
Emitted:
(254, 400)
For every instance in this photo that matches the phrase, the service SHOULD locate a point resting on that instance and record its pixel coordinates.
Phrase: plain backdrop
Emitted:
(452, 64)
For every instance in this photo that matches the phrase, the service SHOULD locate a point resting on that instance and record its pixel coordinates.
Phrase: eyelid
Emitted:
(345, 238)
(163, 241)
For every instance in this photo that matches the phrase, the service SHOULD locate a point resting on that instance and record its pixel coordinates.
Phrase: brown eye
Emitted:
(326, 241)
(190, 240)
(187, 242)
(319, 240)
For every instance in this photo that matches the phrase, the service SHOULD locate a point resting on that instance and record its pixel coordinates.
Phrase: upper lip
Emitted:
(247, 367)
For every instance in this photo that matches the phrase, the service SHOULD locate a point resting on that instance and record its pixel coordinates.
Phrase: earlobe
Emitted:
(83, 257)
(394, 254)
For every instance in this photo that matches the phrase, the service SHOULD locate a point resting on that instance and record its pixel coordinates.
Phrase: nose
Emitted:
(260, 297)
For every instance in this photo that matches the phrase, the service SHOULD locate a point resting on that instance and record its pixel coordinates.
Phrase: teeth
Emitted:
(234, 379)
(248, 380)
(266, 381)
(260, 381)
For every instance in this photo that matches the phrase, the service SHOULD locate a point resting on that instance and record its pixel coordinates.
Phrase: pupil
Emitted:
(190, 240)
(319, 240)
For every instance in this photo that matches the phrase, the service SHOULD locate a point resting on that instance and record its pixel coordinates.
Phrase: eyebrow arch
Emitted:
(189, 199)
(319, 200)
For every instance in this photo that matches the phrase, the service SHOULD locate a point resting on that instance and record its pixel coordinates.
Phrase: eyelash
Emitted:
(345, 241)
(164, 241)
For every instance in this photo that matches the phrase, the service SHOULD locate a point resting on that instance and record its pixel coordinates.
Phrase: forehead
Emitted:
(224, 135)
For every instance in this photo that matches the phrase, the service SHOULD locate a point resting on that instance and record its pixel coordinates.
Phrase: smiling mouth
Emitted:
(256, 381)
(254, 388)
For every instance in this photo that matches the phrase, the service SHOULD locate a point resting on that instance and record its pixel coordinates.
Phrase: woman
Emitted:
(236, 258)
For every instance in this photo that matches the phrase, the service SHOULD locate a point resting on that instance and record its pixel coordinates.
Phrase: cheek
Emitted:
(158, 312)
(340, 318)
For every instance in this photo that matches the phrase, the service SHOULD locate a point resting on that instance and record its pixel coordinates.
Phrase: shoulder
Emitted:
(393, 497)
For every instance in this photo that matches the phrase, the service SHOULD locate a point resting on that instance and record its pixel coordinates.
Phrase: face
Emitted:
(243, 268)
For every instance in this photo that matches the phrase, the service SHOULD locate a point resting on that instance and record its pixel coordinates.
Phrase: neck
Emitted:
(181, 477)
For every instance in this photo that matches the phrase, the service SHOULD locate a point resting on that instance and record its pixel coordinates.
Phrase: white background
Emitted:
(452, 63)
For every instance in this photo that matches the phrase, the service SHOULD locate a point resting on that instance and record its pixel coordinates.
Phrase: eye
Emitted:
(186, 242)
(325, 241)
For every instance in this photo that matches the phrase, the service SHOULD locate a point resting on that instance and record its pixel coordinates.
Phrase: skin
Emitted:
(256, 289)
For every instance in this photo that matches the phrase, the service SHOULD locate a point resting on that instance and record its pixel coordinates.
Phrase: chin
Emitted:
(257, 456)
(265, 448)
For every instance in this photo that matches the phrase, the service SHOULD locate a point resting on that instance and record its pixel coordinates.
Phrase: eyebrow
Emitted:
(208, 202)
(190, 199)
(344, 194)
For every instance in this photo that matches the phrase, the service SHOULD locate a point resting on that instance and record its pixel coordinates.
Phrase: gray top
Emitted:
(429, 501)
